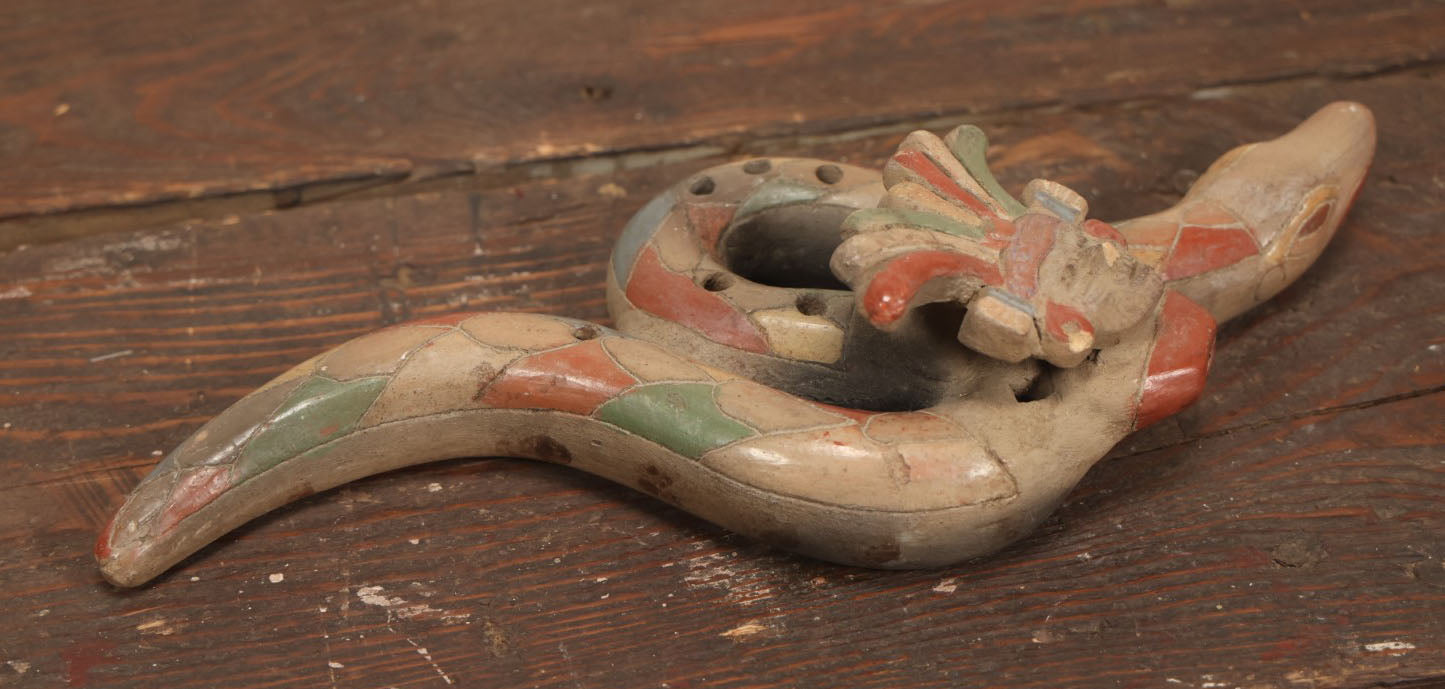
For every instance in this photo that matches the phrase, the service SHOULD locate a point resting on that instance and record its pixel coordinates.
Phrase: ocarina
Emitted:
(894, 371)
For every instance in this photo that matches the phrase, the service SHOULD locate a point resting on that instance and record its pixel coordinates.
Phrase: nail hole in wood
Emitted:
(829, 174)
(287, 198)
(596, 93)
(586, 332)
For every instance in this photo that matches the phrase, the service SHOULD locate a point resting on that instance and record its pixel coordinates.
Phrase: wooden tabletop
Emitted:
(196, 195)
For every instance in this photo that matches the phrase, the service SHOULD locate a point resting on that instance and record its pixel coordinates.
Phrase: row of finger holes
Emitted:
(807, 304)
(826, 173)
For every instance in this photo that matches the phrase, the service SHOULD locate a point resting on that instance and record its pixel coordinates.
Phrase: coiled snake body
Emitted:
(904, 371)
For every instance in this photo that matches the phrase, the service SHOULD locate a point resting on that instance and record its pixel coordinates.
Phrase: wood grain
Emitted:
(1169, 564)
(127, 105)
(1284, 532)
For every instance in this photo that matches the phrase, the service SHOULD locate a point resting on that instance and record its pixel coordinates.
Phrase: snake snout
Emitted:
(1299, 185)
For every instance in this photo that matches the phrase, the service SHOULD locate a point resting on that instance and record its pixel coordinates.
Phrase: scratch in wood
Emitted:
(1270, 421)
(571, 670)
(474, 217)
(326, 647)
(717, 571)
(420, 649)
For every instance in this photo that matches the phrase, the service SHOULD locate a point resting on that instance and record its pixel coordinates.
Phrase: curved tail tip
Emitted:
(128, 561)
(115, 565)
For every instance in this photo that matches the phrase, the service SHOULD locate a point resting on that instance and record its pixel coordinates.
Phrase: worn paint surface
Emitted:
(887, 217)
(930, 173)
(777, 193)
(970, 145)
(677, 298)
(1027, 249)
(318, 410)
(892, 290)
(1202, 249)
(1180, 360)
(575, 379)
(683, 417)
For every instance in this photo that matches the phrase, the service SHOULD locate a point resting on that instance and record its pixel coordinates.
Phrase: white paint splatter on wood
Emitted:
(112, 355)
(1389, 646)
(394, 605)
(741, 586)
(745, 629)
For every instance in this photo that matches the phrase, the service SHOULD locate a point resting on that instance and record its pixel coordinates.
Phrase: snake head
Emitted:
(1039, 279)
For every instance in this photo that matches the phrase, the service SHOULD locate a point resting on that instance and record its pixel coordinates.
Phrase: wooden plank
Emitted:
(135, 104)
(1315, 533)
(1167, 565)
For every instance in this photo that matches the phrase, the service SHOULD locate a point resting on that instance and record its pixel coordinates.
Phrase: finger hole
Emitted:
(717, 282)
(1041, 387)
(702, 186)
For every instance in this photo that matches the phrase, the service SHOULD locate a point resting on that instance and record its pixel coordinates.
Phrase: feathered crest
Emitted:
(1039, 278)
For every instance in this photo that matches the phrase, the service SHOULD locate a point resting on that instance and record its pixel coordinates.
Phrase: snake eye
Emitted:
(1306, 232)
(1316, 220)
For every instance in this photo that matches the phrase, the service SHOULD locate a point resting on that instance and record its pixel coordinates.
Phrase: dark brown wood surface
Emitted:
(1286, 531)
(243, 105)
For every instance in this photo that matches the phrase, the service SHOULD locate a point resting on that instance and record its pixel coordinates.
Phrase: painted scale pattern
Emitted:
(671, 250)
(470, 362)
(1127, 313)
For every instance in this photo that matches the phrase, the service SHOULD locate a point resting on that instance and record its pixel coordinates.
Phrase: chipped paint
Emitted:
(315, 412)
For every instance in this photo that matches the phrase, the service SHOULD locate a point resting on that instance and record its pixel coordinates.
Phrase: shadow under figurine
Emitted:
(898, 371)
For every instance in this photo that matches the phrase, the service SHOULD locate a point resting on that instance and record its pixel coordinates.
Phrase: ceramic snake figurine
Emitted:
(895, 372)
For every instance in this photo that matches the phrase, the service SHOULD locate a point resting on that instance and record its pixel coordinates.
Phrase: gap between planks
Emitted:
(34, 229)
(1284, 418)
